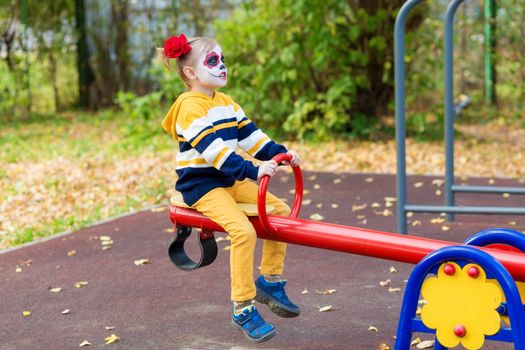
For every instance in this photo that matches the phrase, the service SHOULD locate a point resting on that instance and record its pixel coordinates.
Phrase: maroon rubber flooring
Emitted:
(157, 306)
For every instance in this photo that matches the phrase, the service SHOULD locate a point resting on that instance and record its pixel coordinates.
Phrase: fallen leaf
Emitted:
(388, 204)
(109, 328)
(369, 179)
(317, 186)
(438, 182)
(158, 209)
(141, 262)
(336, 181)
(418, 184)
(316, 217)
(113, 338)
(18, 269)
(415, 341)
(55, 290)
(219, 239)
(170, 230)
(106, 247)
(327, 291)
(307, 201)
(312, 177)
(383, 346)
(390, 199)
(360, 217)
(506, 195)
(80, 284)
(305, 291)
(320, 205)
(393, 290)
(418, 310)
(71, 252)
(26, 313)
(65, 312)
(335, 205)
(106, 243)
(85, 343)
(425, 344)
(437, 221)
(372, 329)
(438, 192)
(375, 205)
(410, 214)
(385, 283)
(105, 238)
(392, 269)
(325, 308)
(228, 247)
(27, 262)
(445, 228)
(512, 223)
(359, 207)
(416, 223)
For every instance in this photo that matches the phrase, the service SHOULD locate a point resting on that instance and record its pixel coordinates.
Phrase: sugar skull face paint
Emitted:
(211, 70)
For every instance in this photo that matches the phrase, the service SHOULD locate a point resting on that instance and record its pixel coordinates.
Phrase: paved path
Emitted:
(157, 306)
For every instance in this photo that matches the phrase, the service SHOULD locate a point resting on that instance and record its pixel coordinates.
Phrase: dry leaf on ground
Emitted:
(325, 308)
(113, 338)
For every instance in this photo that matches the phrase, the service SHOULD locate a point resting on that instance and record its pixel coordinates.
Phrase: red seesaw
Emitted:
(383, 245)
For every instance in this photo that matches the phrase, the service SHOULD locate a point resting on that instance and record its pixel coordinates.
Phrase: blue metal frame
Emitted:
(409, 323)
(449, 187)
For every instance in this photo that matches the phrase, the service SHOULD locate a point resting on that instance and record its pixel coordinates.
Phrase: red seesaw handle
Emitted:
(263, 188)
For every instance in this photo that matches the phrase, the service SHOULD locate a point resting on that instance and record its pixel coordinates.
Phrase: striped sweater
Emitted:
(209, 130)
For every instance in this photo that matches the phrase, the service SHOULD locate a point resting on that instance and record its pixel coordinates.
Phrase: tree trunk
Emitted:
(372, 100)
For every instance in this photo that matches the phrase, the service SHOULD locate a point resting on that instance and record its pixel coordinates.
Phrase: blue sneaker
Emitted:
(252, 325)
(273, 295)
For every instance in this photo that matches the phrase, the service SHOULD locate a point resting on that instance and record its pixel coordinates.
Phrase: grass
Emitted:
(64, 172)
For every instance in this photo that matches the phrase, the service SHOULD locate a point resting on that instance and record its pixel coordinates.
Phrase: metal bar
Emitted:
(465, 209)
(488, 189)
(490, 9)
(399, 75)
(449, 103)
(383, 245)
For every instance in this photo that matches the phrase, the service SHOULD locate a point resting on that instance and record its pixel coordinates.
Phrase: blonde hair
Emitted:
(199, 45)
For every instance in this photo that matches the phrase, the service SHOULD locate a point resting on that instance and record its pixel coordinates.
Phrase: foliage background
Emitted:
(316, 75)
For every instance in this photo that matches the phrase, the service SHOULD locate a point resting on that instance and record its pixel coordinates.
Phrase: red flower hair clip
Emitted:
(176, 46)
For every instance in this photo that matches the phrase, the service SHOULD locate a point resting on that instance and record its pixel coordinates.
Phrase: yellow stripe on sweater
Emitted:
(258, 144)
(241, 124)
(201, 136)
(219, 157)
(225, 125)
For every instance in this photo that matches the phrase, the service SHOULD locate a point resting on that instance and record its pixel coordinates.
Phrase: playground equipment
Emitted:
(482, 265)
(449, 187)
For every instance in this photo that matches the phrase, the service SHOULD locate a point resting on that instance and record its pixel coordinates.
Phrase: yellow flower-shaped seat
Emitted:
(461, 305)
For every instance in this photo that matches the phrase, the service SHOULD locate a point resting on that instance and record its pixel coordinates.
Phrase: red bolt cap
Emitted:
(473, 272)
(460, 331)
(449, 269)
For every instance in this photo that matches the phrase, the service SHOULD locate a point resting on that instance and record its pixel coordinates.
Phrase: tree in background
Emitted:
(313, 66)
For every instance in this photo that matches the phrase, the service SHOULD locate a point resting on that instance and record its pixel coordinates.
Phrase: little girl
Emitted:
(209, 126)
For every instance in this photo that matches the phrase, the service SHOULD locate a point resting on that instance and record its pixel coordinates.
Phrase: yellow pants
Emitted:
(220, 205)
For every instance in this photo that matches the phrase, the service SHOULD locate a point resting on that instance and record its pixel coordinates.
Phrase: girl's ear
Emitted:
(190, 73)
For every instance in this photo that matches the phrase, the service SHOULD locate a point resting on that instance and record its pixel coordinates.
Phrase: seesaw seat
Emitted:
(248, 208)
(207, 243)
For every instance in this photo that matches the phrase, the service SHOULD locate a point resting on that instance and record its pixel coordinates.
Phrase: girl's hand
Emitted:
(267, 168)
(295, 158)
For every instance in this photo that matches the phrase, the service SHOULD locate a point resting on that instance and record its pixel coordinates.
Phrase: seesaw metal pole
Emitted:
(383, 245)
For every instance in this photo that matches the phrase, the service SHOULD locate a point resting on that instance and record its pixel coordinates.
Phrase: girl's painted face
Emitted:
(211, 70)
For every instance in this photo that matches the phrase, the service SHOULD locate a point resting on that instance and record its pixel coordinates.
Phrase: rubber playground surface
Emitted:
(156, 306)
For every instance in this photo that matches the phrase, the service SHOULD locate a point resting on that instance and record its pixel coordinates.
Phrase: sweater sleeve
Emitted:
(197, 129)
(254, 141)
